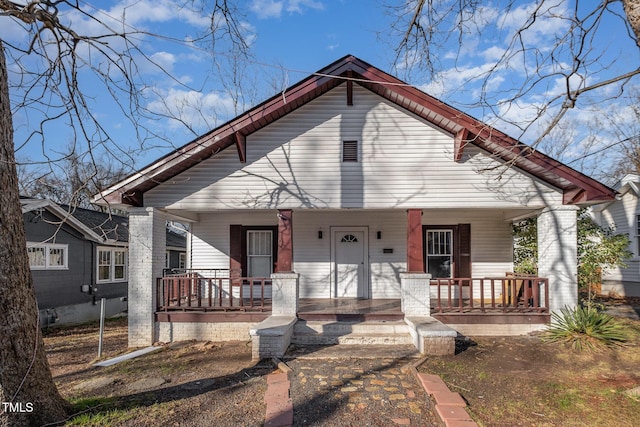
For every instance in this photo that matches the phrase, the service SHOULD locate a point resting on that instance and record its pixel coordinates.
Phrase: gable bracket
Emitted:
(459, 141)
(349, 87)
(241, 145)
(133, 198)
(574, 195)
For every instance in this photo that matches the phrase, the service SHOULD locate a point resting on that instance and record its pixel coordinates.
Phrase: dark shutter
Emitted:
(463, 253)
(235, 250)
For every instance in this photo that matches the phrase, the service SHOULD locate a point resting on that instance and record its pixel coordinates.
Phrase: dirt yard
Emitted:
(185, 384)
(506, 381)
(521, 381)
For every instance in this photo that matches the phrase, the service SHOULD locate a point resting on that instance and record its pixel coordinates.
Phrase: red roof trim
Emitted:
(577, 187)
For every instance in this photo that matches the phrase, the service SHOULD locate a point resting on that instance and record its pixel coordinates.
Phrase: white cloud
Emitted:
(273, 8)
(492, 53)
(546, 24)
(267, 8)
(199, 110)
(297, 5)
(453, 80)
(165, 60)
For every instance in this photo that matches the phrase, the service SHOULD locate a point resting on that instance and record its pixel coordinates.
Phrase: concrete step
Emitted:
(354, 333)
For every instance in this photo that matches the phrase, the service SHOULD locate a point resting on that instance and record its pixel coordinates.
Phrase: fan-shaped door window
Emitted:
(349, 238)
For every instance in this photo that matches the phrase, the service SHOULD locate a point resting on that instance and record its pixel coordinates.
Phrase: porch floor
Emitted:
(349, 309)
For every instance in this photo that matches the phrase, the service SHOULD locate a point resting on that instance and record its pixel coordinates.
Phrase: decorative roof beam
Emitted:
(575, 195)
(459, 143)
(241, 145)
(349, 88)
(133, 198)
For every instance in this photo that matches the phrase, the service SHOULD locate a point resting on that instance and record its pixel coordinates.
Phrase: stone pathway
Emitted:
(373, 392)
(359, 386)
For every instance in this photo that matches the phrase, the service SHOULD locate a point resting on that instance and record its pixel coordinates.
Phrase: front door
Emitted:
(350, 262)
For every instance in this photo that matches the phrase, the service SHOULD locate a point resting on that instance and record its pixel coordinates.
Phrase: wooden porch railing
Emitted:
(212, 290)
(510, 294)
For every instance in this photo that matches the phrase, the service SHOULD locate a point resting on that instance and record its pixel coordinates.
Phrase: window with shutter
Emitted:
(447, 250)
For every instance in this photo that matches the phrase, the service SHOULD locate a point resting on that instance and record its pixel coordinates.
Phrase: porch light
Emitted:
(319, 234)
(379, 235)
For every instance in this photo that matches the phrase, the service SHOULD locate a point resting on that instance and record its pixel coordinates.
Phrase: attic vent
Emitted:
(349, 151)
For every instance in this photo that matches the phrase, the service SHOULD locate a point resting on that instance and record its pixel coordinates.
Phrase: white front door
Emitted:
(350, 262)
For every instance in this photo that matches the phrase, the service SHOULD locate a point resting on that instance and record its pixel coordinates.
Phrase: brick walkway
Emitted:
(370, 388)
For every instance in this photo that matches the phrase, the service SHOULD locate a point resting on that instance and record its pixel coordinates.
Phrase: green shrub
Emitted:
(585, 328)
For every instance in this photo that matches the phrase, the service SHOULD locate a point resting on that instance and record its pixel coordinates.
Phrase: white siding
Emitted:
(491, 243)
(622, 215)
(295, 162)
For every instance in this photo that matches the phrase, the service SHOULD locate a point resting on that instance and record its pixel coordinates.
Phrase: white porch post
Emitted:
(284, 294)
(558, 254)
(147, 246)
(416, 294)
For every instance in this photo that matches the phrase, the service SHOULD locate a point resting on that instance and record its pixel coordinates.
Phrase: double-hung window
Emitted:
(440, 253)
(259, 253)
(112, 265)
(48, 256)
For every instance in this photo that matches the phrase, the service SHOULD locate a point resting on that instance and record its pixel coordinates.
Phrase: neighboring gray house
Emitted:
(176, 254)
(623, 215)
(77, 257)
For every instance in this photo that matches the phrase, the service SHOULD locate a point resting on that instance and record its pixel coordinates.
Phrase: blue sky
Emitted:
(292, 38)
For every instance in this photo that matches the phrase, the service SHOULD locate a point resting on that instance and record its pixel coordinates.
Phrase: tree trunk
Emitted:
(28, 395)
(632, 9)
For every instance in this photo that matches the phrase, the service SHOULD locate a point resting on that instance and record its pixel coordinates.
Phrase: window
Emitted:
(259, 253)
(447, 250)
(183, 260)
(112, 265)
(167, 258)
(439, 253)
(47, 256)
(349, 151)
(349, 238)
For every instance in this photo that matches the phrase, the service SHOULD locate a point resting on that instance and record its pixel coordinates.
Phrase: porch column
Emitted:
(285, 240)
(416, 294)
(415, 250)
(558, 254)
(147, 246)
(284, 294)
(285, 288)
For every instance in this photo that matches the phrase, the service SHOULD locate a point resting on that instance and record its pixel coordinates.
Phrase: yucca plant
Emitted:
(585, 328)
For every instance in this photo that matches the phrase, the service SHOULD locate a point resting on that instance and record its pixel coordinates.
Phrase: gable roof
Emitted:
(577, 188)
(96, 226)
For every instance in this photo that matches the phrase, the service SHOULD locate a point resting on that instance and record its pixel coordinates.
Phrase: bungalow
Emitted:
(79, 256)
(623, 216)
(347, 193)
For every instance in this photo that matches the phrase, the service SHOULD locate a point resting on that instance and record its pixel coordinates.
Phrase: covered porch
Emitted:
(207, 301)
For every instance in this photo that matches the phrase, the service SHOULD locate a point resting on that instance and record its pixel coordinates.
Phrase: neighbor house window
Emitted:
(167, 259)
(259, 253)
(182, 260)
(112, 265)
(47, 256)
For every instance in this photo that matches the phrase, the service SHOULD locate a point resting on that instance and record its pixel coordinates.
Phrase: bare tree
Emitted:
(48, 69)
(566, 66)
(73, 181)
